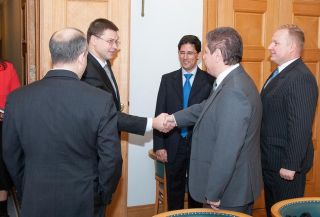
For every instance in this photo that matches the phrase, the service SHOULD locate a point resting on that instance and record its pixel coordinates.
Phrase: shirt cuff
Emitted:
(149, 124)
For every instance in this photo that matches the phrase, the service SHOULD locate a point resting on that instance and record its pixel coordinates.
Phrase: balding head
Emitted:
(67, 45)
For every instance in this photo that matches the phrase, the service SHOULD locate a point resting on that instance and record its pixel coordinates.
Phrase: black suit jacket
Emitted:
(289, 104)
(96, 76)
(170, 100)
(61, 146)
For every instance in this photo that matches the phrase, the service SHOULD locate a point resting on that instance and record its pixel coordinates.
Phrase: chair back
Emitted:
(161, 183)
(297, 207)
(201, 212)
(159, 169)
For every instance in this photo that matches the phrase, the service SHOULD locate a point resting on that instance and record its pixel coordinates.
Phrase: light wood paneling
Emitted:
(56, 14)
(256, 20)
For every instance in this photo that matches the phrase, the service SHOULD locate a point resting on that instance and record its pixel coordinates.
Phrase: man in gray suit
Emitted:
(60, 138)
(225, 169)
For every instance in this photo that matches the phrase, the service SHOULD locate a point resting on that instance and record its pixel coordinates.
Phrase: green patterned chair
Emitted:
(161, 184)
(201, 212)
(297, 207)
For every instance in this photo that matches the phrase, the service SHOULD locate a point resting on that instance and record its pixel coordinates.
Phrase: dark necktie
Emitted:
(107, 70)
(186, 93)
(215, 85)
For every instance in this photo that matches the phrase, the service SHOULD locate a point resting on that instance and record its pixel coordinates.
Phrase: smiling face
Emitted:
(106, 45)
(281, 47)
(188, 57)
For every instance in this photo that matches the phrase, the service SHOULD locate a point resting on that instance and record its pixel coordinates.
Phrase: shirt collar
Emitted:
(284, 65)
(193, 71)
(102, 63)
(224, 74)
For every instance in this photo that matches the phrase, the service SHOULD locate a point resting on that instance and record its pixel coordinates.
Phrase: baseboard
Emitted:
(141, 211)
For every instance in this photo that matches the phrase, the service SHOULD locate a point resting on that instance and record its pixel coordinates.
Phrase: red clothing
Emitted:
(9, 81)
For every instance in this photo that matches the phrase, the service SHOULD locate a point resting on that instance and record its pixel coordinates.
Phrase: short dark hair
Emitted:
(98, 26)
(228, 41)
(66, 45)
(190, 39)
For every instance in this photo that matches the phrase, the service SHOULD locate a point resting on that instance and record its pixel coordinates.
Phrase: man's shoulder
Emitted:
(173, 73)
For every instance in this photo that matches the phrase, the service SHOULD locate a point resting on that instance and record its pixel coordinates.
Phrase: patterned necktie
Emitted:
(106, 68)
(274, 74)
(215, 85)
(186, 93)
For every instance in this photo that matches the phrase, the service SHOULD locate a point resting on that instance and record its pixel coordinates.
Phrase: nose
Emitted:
(270, 46)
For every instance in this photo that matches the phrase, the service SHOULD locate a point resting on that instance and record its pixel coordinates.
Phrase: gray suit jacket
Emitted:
(225, 156)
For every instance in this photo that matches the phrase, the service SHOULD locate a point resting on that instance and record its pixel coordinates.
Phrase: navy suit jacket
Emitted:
(61, 146)
(170, 100)
(96, 76)
(289, 104)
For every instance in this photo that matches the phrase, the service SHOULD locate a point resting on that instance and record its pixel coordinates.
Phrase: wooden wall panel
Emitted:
(89, 12)
(56, 14)
(256, 20)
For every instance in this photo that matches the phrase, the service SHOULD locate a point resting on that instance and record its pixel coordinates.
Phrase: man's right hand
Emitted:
(162, 155)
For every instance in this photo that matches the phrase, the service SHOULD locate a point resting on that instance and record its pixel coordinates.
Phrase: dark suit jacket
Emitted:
(96, 76)
(289, 103)
(170, 100)
(61, 146)
(225, 154)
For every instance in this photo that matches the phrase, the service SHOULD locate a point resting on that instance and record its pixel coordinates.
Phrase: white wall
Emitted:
(154, 41)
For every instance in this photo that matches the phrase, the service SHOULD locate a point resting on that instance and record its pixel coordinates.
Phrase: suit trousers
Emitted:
(100, 210)
(177, 177)
(5, 180)
(277, 188)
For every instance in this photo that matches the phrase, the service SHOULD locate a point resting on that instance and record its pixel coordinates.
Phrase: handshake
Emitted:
(164, 122)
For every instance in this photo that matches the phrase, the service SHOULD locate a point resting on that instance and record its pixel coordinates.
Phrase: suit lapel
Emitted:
(114, 80)
(279, 79)
(102, 73)
(177, 85)
(214, 94)
(198, 83)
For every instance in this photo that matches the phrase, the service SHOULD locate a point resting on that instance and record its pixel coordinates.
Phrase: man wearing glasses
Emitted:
(179, 89)
(103, 40)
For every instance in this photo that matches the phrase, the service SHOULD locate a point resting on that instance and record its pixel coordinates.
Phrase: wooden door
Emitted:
(56, 14)
(306, 14)
(256, 20)
(30, 40)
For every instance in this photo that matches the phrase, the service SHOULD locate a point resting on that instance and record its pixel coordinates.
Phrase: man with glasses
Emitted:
(103, 40)
(179, 89)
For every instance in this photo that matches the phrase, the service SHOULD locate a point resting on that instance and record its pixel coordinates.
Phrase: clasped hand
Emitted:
(164, 122)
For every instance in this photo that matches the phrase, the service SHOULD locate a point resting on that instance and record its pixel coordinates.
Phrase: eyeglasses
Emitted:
(189, 53)
(110, 41)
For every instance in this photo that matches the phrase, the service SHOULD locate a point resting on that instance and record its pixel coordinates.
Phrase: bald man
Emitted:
(60, 138)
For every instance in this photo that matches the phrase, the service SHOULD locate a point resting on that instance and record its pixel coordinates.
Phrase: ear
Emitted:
(217, 55)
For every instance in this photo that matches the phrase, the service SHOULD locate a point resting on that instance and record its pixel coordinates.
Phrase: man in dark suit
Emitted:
(103, 40)
(225, 169)
(60, 138)
(289, 100)
(174, 148)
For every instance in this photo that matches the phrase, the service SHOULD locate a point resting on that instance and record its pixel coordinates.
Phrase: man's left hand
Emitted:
(287, 174)
(214, 204)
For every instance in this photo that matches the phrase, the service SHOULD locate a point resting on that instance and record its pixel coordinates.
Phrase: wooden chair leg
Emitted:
(156, 209)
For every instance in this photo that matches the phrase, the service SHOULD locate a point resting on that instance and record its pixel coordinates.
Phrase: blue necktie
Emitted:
(186, 93)
(274, 74)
